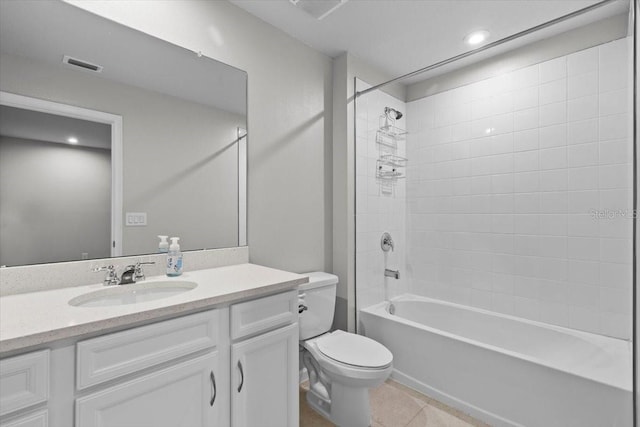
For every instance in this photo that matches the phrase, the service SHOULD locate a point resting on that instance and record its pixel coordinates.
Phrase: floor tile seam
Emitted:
(416, 416)
(434, 403)
(422, 399)
(379, 421)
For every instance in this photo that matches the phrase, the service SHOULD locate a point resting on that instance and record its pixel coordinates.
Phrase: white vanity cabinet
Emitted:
(264, 362)
(236, 365)
(184, 393)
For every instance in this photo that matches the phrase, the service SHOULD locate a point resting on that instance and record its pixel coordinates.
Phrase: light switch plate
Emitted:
(136, 219)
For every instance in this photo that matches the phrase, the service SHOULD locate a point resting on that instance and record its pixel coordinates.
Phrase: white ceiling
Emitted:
(36, 126)
(401, 36)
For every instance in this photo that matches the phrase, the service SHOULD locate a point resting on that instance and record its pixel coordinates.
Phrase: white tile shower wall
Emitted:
(377, 210)
(519, 192)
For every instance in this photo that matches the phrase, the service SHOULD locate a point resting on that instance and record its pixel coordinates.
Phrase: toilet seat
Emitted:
(339, 391)
(354, 350)
(348, 374)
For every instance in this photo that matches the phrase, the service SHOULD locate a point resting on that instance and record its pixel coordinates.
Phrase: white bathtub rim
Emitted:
(624, 382)
(447, 399)
(589, 336)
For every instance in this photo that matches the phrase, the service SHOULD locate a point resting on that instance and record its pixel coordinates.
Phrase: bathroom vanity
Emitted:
(215, 346)
(224, 353)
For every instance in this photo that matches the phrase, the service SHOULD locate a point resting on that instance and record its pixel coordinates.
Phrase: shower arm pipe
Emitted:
(490, 45)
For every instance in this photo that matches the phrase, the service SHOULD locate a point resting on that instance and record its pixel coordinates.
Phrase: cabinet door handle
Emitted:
(241, 376)
(214, 389)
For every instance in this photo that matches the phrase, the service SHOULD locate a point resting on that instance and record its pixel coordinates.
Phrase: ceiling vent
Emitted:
(319, 9)
(79, 63)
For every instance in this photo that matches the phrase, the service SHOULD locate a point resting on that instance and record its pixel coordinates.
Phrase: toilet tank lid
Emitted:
(318, 279)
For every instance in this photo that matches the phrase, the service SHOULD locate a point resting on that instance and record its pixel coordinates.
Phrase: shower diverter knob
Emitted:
(386, 242)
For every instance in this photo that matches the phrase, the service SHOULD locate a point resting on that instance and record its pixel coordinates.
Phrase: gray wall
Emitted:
(180, 158)
(290, 120)
(56, 202)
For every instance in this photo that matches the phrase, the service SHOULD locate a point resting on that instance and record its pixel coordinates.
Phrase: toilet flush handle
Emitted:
(301, 306)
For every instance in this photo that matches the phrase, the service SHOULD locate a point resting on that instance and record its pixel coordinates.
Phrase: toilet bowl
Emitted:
(342, 366)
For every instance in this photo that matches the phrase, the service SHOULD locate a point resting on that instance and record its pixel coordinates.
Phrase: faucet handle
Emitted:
(139, 271)
(386, 242)
(112, 276)
(138, 264)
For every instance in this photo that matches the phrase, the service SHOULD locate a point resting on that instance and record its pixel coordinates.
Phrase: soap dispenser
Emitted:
(163, 246)
(174, 258)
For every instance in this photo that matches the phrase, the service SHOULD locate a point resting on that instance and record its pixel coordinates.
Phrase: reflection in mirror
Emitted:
(182, 168)
(49, 194)
(55, 187)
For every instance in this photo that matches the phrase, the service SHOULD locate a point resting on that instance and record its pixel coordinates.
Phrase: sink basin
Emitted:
(132, 294)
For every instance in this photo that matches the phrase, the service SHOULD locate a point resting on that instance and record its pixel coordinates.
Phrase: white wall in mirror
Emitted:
(45, 174)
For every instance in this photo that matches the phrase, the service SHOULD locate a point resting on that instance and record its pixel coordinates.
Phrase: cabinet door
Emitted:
(24, 381)
(183, 395)
(38, 419)
(264, 384)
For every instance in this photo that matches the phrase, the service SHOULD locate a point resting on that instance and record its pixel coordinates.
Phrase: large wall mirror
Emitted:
(110, 137)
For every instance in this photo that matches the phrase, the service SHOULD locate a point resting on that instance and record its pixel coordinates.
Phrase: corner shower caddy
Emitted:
(389, 165)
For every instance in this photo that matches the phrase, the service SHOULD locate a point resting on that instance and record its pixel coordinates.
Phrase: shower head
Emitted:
(392, 113)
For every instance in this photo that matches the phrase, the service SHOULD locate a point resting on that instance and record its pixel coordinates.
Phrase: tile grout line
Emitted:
(416, 415)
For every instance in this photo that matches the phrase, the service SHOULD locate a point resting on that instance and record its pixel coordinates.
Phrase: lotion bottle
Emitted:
(163, 246)
(174, 258)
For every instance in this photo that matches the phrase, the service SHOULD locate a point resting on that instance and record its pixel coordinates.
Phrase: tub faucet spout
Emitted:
(392, 273)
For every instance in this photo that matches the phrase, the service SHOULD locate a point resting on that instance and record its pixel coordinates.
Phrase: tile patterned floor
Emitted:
(394, 405)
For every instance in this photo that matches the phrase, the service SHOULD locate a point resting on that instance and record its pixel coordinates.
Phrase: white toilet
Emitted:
(342, 366)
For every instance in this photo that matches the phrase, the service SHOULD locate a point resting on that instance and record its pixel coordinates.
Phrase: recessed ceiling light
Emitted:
(476, 37)
(72, 140)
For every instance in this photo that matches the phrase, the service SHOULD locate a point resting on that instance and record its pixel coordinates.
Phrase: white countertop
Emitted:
(38, 318)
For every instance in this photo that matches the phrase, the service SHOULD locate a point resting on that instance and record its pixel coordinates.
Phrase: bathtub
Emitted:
(504, 370)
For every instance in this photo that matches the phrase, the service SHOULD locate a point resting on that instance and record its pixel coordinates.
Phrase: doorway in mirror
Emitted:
(61, 182)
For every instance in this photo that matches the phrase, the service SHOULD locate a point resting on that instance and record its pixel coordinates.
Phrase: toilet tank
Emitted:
(319, 296)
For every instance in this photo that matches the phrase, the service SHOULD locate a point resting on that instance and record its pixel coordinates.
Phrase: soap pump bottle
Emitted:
(163, 246)
(174, 258)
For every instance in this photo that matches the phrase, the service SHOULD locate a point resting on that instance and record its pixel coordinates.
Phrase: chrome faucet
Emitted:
(128, 275)
(131, 274)
(134, 273)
